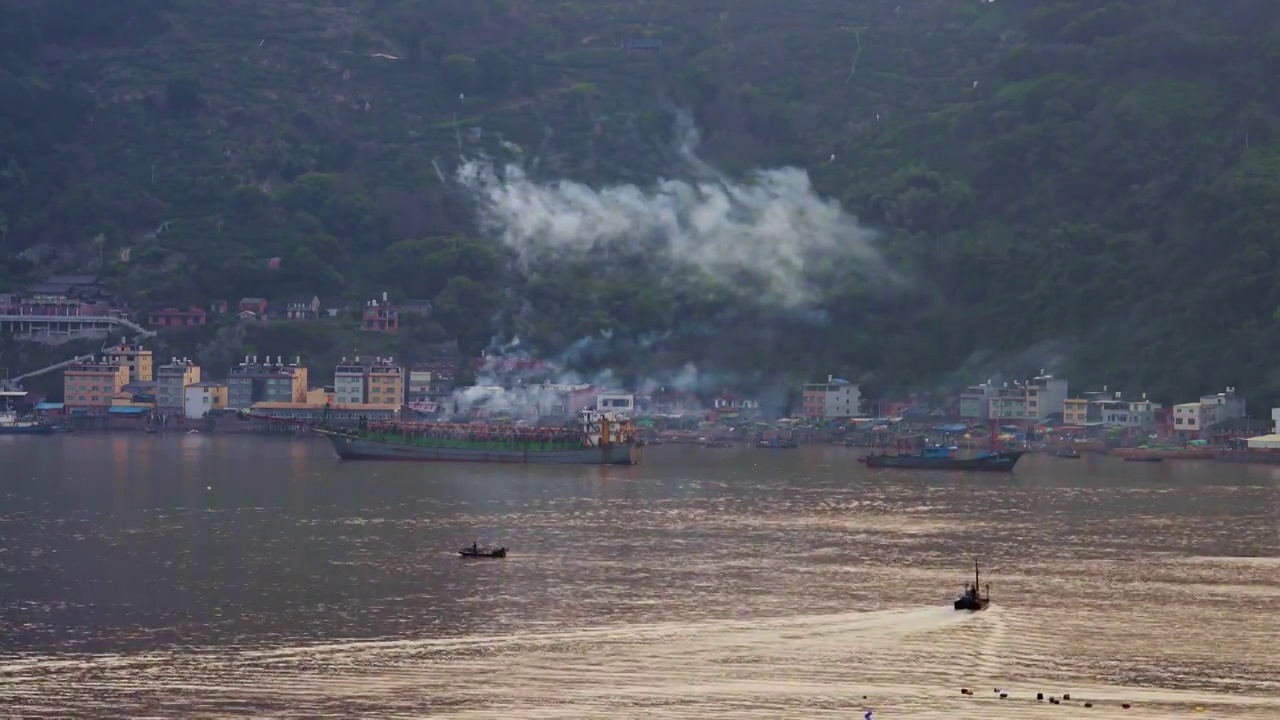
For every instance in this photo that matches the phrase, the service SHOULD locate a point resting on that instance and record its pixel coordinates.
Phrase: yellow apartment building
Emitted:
(92, 385)
(135, 357)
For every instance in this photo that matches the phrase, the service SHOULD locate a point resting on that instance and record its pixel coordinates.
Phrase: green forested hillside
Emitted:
(1100, 178)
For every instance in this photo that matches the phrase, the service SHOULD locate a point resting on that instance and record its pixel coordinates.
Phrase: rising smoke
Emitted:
(533, 391)
(772, 228)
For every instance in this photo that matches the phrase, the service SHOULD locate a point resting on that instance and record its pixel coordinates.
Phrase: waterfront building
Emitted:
(138, 359)
(377, 382)
(833, 399)
(202, 397)
(253, 381)
(172, 380)
(88, 387)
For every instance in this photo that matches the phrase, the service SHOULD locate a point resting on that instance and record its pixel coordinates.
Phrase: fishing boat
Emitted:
(777, 443)
(1066, 454)
(937, 457)
(942, 458)
(475, 551)
(597, 439)
(11, 424)
(972, 599)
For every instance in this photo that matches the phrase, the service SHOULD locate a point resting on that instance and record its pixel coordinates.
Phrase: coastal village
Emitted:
(127, 387)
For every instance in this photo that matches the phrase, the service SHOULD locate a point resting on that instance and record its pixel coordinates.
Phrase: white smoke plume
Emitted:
(532, 391)
(773, 228)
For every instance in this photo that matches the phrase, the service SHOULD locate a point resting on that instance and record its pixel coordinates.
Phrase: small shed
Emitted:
(1264, 442)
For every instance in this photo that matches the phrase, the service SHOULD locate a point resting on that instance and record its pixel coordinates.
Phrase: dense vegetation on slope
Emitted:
(1096, 176)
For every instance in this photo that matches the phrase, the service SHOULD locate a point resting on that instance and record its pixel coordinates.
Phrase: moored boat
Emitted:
(1166, 453)
(937, 458)
(1066, 454)
(11, 424)
(598, 439)
(475, 551)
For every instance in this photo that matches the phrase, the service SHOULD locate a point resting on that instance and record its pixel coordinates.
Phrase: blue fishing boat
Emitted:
(944, 458)
(940, 458)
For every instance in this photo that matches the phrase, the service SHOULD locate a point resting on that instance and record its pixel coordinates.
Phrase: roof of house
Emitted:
(178, 311)
(64, 284)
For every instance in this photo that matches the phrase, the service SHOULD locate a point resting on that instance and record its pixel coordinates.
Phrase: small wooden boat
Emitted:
(1144, 458)
(1067, 454)
(475, 551)
(972, 599)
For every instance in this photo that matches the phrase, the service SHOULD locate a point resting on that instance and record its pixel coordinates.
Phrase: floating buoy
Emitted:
(1004, 696)
(1039, 696)
(1125, 706)
(1088, 704)
(1066, 696)
(1053, 701)
(1199, 709)
(964, 691)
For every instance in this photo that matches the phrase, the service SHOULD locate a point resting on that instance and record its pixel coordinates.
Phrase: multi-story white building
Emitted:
(616, 402)
(1221, 407)
(1197, 417)
(1031, 401)
(1188, 418)
(975, 401)
(835, 398)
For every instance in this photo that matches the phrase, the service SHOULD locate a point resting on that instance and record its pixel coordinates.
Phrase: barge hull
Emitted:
(358, 449)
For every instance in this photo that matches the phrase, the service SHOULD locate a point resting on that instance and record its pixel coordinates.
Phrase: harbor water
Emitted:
(198, 576)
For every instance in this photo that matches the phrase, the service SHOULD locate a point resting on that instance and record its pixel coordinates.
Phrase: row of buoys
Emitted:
(1039, 698)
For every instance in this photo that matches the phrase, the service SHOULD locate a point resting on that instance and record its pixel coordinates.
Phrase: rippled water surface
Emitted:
(203, 576)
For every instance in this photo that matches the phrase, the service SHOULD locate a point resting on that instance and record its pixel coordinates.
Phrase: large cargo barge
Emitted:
(598, 439)
(944, 459)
